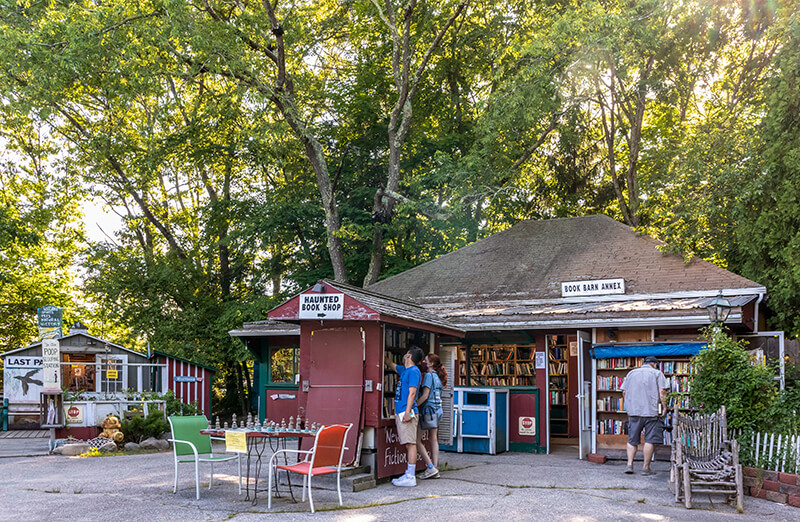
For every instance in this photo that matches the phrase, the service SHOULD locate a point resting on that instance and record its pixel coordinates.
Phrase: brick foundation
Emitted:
(772, 485)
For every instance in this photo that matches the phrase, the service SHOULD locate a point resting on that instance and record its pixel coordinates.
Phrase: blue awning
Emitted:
(643, 350)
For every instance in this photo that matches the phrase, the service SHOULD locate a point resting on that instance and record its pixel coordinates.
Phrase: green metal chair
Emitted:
(191, 446)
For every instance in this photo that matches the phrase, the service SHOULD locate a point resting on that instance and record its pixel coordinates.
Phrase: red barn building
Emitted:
(190, 381)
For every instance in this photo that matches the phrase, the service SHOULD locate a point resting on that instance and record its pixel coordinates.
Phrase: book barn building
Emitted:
(537, 326)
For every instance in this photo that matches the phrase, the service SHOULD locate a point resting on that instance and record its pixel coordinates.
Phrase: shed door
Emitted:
(447, 355)
(336, 381)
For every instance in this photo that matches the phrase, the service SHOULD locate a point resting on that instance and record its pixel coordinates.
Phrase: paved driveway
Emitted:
(511, 486)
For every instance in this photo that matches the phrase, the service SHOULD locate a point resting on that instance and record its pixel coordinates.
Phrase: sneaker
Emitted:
(629, 470)
(429, 473)
(647, 472)
(405, 481)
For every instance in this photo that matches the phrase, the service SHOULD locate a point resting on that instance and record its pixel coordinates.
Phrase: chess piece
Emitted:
(226, 425)
(290, 427)
(249, 420)
(233, 422)
(283, 424)
(299, 423)
(217, 424)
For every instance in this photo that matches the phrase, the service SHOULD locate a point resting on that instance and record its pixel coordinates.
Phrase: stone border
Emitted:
(772, 485)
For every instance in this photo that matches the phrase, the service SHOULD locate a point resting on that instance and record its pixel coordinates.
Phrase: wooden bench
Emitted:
(704, 459)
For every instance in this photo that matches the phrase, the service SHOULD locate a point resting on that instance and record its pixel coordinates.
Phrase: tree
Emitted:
(163, 145)
(407, 70)
(768, 234)
(40, 231)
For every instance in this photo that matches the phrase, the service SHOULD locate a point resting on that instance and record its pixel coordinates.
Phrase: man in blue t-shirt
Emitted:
(406, 412)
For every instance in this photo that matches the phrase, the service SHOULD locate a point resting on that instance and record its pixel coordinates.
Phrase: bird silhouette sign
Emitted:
(27, 379)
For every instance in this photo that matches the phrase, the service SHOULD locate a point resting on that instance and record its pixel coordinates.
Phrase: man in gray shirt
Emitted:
(642, 391)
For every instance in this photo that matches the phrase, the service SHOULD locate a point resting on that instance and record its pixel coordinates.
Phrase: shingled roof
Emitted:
(519, 272)
(532, 259)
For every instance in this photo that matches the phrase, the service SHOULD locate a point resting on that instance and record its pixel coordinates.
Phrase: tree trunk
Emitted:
(320, 165)
(240, 389)
(406, 82)
(248, 385)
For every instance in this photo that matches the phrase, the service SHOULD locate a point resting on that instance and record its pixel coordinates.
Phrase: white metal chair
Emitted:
(323, 459)
(191, 446)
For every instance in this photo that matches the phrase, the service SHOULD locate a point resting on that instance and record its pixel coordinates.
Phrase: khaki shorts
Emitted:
(407, 431)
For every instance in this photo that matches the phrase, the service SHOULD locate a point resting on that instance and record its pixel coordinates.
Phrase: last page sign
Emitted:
(321, 306)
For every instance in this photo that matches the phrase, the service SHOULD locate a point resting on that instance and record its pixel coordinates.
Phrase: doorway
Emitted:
(569, 393)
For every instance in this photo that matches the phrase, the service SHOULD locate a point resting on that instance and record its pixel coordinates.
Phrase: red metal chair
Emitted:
(323, 459)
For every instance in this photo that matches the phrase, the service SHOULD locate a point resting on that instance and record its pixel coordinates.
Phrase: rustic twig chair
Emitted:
(704, 460)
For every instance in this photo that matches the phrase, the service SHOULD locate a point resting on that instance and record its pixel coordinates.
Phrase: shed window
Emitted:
(283, 365)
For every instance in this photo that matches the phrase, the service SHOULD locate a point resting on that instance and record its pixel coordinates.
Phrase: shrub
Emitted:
(139, 428)
(174, 406)
(726, 376)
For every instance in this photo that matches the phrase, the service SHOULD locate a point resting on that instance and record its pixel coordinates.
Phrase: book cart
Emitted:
(609, 373)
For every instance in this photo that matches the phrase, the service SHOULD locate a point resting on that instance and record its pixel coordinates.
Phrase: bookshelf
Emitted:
(558, 384)
(395, 344)
(390, 379)
(497, 365)
(609, 407)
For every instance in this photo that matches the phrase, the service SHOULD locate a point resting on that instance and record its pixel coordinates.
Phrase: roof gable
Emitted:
(363, 305)
(85, 335)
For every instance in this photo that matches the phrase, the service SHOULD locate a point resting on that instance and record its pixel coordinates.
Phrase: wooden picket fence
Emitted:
(769, 451)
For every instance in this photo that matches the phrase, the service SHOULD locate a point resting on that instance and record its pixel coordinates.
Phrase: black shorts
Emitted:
(653, 430)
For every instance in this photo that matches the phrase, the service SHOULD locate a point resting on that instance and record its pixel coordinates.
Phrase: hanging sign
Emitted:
(185, 378)
(321, 306)
(597, 287)
(112, 374)
(236, 441)
(541, 360)
(51, 362)
(49, 318)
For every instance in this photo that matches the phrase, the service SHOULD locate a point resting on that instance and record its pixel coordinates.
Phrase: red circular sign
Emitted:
(73, 411)
(527, 423)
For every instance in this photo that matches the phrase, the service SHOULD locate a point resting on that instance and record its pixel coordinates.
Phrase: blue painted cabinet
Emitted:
(480, 420)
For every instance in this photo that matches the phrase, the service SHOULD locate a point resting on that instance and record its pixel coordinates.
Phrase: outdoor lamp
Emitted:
(719, 309)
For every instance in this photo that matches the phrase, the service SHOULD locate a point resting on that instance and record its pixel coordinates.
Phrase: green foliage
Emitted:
(39, 240)
(139, 428)
(175, 406)
(167, 111)
(726, 376)
(768, 235)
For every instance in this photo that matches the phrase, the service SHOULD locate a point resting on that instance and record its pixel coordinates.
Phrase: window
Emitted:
(283, 365)
(112, 372)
